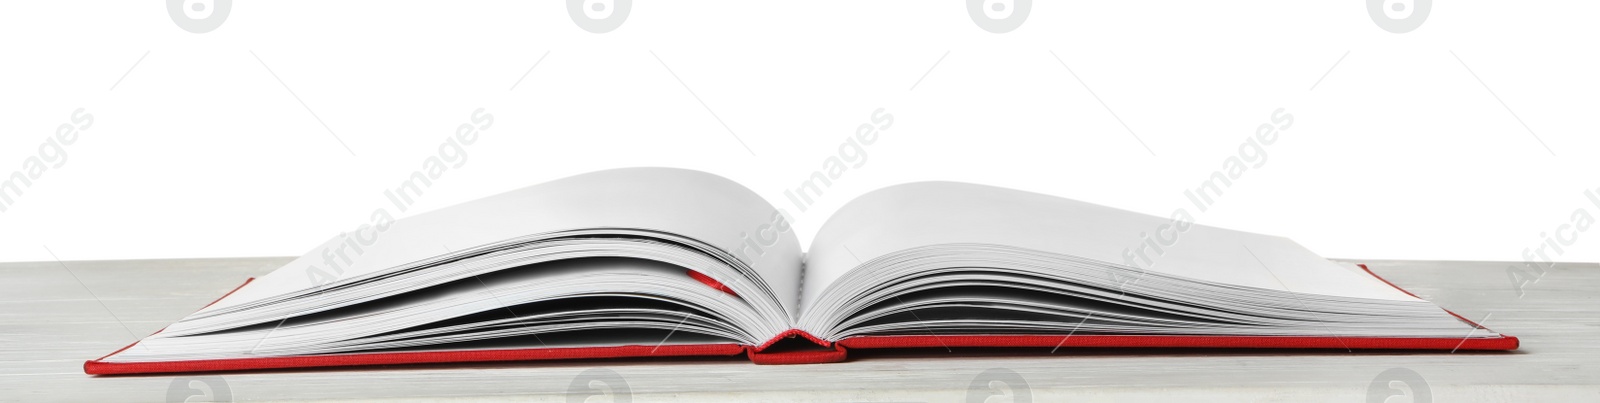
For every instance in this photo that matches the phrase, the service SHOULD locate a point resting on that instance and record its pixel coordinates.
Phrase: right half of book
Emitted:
(942, 265)
(1476, 337)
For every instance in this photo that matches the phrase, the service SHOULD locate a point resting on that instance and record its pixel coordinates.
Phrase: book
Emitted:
(649, 262)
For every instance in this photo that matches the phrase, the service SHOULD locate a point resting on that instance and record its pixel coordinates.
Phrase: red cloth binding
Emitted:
(342, 360)
(1307, 342)
(762, 355)
(836, 353)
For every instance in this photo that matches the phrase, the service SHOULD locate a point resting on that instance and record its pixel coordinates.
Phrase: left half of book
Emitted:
(611, 248)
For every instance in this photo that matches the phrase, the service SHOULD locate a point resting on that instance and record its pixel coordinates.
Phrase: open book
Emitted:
(669, 262)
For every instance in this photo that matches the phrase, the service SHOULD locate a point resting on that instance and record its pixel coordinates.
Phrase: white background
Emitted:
(1399, 151)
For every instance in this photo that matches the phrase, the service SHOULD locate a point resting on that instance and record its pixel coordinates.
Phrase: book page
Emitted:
(931, 213)
(693, 204)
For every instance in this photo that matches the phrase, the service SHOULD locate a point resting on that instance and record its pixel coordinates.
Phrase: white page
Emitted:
(929, 213)
(694, 204)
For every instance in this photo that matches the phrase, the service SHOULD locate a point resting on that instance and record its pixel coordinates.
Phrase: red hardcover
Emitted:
(823, 352)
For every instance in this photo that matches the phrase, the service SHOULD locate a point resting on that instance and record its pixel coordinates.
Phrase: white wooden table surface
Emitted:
(53, 316)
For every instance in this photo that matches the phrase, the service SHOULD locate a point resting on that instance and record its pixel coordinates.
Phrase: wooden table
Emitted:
(53, 316)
